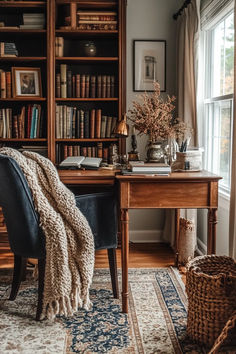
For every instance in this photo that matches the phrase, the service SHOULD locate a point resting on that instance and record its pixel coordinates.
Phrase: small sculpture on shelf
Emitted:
(134, 154)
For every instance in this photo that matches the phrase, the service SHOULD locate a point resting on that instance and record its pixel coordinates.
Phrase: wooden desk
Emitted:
(196, 190)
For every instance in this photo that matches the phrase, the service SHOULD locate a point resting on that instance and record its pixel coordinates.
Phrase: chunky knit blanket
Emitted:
(69, 240)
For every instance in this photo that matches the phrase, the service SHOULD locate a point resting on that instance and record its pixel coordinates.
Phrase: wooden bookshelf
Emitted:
(40, 52)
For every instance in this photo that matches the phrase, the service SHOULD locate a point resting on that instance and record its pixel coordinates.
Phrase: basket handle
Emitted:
(224, 334)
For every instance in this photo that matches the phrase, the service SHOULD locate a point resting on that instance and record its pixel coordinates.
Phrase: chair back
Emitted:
(25, 236)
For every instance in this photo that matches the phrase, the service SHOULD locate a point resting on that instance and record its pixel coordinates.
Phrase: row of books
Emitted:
(97, 20)
(98, 150)
(70, 85)
(33, 21)
(8, 49)
(5, 84)
(27, 124)
(72, 122)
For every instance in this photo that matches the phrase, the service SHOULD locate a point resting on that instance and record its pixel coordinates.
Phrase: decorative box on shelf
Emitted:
(190, 160)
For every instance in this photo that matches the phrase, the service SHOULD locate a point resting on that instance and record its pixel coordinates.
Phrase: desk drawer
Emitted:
(169, 195)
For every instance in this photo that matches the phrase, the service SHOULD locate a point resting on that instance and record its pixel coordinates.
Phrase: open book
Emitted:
(81, 161)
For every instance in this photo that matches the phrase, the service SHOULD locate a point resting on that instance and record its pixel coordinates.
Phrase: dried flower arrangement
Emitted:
(154, 117)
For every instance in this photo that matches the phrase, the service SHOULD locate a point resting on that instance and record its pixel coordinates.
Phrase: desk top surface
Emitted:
(109, 176)
(174, 176)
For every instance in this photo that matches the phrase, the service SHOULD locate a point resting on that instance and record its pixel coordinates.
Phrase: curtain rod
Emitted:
(178, 13)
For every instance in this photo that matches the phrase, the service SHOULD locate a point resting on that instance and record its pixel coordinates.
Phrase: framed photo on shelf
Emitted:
(26, 82)
(149, 64)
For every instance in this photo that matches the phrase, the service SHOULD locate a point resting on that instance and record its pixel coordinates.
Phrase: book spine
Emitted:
(73, 86)
(29, 120)
(92, 124)
(60, 46)
(3, 85)
(8, 84)
(82, 86)
(57, 47)
(104, 80)
(99, 86)
(65, 151)
(93, 87)
(103, 126)
(86, 124)
(89, 151)
(108, 86)
(81, 124)
(112, 86)
(99, 150)
(58, 85)
(105, 154)
(74, 123)
(78, 124)
(58, 132)
(15, 127)
(39, 121)
(113, 126)
(77, 86)
(70, 150)
(69, 83)
(87, 85)
(98, 118)
(108, 127)
(63, 68)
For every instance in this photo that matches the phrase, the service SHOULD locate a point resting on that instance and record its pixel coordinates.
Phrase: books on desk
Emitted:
(149, 168)
(91, 163)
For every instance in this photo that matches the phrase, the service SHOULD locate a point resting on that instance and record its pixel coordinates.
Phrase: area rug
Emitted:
(156, 322)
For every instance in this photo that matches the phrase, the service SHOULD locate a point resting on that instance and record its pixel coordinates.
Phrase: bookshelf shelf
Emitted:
(22, 59)
(87, 99)
(88, 59)
(22, 31)
(23, 99)
(86, 33)
(90, 4)
(87, 140)
(31, 4)
(32, 140)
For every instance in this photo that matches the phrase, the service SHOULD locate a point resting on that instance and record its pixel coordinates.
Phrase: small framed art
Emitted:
(26, 82)
(149, 64)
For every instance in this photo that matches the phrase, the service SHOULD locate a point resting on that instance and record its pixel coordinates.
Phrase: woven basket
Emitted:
(211, 291)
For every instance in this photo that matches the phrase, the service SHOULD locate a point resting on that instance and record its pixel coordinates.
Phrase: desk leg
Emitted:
(176, 245)
(125, 257)
(211, 237)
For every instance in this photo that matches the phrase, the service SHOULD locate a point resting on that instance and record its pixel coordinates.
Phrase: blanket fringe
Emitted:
(66, 306)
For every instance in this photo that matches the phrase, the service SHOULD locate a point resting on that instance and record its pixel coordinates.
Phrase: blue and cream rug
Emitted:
(156, 322)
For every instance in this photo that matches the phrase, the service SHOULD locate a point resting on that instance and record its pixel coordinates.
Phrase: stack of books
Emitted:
(162, 169)
(8, 49)
(97, 20)
(33, 21)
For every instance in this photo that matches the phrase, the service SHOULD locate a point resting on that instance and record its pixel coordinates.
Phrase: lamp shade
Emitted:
(122, 128)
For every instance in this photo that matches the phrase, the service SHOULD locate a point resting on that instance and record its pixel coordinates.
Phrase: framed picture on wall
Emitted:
(149, 64)
(26, 82)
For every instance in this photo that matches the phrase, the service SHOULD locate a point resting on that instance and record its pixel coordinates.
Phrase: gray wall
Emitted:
(150, 19)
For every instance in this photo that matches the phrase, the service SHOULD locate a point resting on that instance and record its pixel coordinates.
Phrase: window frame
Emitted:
(208, 99)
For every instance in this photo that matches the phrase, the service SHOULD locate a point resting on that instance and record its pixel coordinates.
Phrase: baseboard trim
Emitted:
(146, 236)
(201, 248)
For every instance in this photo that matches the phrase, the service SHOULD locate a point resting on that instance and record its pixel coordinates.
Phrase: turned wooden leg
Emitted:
(125, 257)
(18, 275)
(41, 270)
(176, 246)
(211, 237)
(113, 271)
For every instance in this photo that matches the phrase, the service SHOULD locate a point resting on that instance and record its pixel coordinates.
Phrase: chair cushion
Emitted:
(100, 209)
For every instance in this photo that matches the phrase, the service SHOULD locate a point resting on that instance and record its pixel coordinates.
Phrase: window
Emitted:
(218, 98)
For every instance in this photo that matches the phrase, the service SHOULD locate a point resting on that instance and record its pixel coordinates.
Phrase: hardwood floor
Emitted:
(142, 255)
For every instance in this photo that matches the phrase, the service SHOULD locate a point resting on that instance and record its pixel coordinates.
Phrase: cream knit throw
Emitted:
(69, 240)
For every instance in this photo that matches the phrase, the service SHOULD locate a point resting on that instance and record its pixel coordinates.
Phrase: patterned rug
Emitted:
(156, 322)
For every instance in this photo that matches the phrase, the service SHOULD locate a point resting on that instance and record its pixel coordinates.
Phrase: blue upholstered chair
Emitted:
(26, 237)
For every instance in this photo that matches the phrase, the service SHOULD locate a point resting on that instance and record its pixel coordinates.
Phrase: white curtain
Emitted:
(232, 220)
(187, 57)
